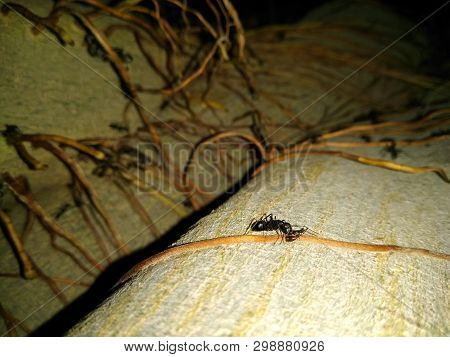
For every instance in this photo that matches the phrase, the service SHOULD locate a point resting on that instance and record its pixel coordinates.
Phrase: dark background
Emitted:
(258, 13)
(255, 13)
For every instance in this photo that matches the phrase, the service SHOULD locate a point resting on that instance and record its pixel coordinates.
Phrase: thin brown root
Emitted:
(167, 201)
(412, 124)
(77, 194)
(71, 255)
(390, 165)
(80, 177)
(37, 138)
(52, 285)
(11, 323)
(26, 265)
(137, 206)
(223, 241)
(217, 137)
(27, 158)
(371, 144)
(17, 187)
(126, 79)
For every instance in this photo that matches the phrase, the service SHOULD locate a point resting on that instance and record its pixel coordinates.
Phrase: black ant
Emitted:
(391, 147)
(62, 209)
(96, 50)
(269, 222)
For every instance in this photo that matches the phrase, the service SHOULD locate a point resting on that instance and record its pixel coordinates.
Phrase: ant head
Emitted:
(285, 228)
(258, 226)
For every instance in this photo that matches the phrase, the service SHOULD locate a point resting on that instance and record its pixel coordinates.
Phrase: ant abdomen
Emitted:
(258, 226)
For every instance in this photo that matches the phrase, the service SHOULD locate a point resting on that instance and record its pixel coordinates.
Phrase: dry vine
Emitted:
(224, 241)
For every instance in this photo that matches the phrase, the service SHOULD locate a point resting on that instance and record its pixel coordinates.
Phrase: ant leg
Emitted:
(290, 237)
(293, 236)
(250, 225)
(280, 235)
(276, 239)
(254, 220)
(263, 217)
